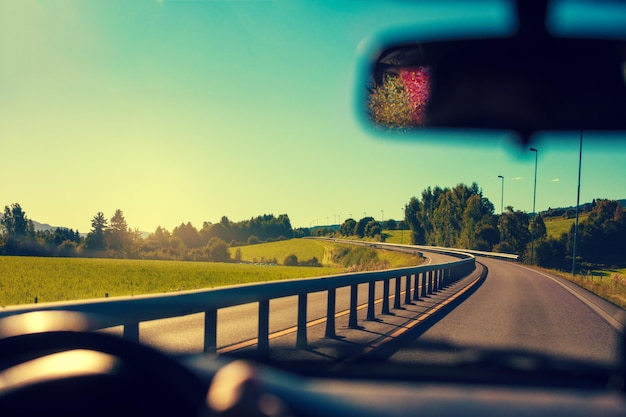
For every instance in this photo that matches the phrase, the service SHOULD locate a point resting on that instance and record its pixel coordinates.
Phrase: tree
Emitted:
(291, 260)
(413, 216)
(538, 227)
(217, 250)
(602, 236)
(360, 226)
(16, 223)
(390, 224)
(348, 227)
(514, 231)
(95, 240)
(373, 229)
(189, 235)
(118, 234)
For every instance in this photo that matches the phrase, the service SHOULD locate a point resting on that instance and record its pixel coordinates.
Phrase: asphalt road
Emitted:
(517, 308)
(239, 324)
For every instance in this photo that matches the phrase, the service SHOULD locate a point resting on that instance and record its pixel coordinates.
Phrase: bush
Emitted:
(291, 260)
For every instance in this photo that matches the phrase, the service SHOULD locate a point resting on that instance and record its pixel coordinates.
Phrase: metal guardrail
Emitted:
(130, 311)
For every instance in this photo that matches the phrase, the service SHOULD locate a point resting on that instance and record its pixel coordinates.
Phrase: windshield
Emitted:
(173, 130)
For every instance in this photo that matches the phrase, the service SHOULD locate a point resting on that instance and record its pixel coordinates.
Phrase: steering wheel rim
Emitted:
(147, 363)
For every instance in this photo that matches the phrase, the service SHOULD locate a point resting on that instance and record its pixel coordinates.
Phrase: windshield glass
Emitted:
(147, 130)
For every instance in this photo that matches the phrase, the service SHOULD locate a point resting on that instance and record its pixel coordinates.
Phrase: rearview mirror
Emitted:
(528, 82)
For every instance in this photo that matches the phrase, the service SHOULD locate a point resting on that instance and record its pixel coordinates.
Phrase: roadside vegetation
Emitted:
(22, 279)
(456, 217)
(61, 279)
(609, 284)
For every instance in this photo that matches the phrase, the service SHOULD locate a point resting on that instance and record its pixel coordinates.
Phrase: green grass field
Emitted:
(61, 279)
(398, 236)
(302, 248)
(556, 226)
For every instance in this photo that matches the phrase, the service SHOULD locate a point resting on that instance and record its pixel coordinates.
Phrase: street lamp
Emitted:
(402, 228)
(532, 227)
(580, 164)
(382, 216)
(502, 195)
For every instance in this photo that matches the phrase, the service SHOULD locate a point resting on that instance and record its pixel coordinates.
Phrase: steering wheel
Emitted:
(142, 381)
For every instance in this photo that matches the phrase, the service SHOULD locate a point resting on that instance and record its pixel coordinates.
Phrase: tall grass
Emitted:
(61, 279)
(609, 284)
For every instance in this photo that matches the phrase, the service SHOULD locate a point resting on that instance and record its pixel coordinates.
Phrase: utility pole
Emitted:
(580, 161)
(532, 227)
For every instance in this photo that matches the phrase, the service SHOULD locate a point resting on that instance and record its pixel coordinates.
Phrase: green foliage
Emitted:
(291, 260)
(348, 227)
(61, 279)
(95, 241)
(514, 232)
(453, 217)
(359, 230)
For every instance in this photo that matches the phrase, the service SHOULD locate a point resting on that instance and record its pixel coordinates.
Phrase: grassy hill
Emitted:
(556, 226)
(329, 254)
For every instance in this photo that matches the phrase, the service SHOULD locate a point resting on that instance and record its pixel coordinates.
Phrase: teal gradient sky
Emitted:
(177, 111)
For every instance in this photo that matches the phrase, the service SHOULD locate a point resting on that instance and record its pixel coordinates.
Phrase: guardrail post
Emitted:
(385, 309)
(263, 344)
(301, 342)
(131, 332)
(407, 290)
(424, 277)
(396, 301)
(210, 331)
(416, 287)
(431, 281)
(371, 292)
(438, 281)
(330, 313)
(354, 292)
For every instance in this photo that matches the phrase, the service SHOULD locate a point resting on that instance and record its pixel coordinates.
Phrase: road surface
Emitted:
(522, 309)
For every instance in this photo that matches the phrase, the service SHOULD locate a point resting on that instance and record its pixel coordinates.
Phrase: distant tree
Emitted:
(538, 227)
(95, 240)
(118, 234)
(360, 226)
(189, 235)
(373, 229)
(348, 227)
(413, 216)
(16, 224)
(390, 224)
(291, 260)
(514, 231)
(67, 249)
(602, 237)
(217, 250)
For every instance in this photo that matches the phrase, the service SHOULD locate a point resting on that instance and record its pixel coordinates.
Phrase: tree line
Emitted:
(112, 237)
(462, 217)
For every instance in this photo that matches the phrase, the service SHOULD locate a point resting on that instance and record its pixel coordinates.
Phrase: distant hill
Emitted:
(569, 211)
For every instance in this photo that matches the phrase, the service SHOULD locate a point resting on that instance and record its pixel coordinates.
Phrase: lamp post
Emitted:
(403, 223)
(580, 163)
(532, 227)
(502, 195)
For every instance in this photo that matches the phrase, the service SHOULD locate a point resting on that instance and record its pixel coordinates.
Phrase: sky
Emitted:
(187, 111)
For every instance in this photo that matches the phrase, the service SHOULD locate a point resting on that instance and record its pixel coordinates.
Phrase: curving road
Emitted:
(239, 324)
(522, 309)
